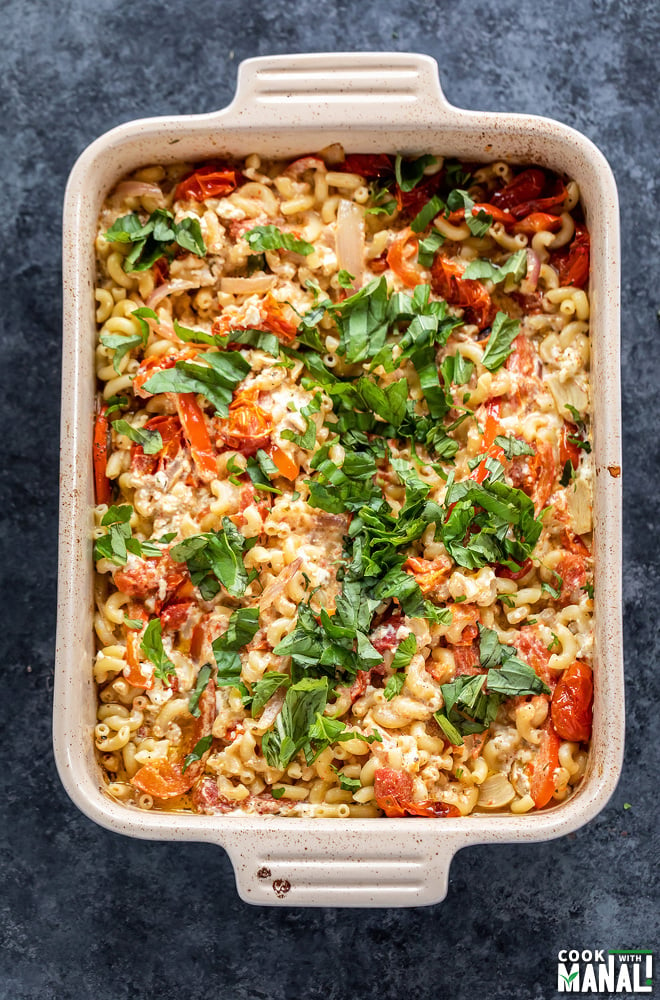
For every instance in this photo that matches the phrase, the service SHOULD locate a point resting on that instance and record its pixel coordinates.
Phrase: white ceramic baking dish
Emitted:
(287, 106)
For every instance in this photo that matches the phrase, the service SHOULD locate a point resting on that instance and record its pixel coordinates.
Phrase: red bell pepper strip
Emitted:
(197, 435)
(102, 488)
(401, 255)
(571, 703)
(489, 448)
(544, 775)
(538, 222)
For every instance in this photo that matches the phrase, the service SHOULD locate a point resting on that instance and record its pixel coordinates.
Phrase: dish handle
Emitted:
(333, 90)
(345, 868)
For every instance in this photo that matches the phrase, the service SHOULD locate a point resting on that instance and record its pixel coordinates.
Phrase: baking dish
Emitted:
(288, 106)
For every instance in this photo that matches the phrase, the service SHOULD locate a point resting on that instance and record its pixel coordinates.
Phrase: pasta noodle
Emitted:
(343, 482)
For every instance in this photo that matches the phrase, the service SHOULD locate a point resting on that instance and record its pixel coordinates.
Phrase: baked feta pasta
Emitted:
(343, 487)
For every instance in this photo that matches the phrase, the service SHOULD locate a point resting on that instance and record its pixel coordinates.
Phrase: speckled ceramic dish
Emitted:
(286, 106)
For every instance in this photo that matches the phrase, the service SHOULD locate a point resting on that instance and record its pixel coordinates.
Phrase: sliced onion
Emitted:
(276, 588)
(333, 154)
(170, 288)
(272, 709)
(533, 269)
(350, 240)
(137, 189)
(247, 286)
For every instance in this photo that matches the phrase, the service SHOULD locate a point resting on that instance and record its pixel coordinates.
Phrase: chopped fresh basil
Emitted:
(265, 688)
(116, 403)
(152, 647)
(428, 247)
(345, 783)
(303, 702)
(478, 224)
(194, 336)
(215, 559)
(409, 173)
(215, 379)
(242, 628)
(277, 793)
(394, 686)
(151, 441)
(197, 751)
(345, 279)
(203, 678)
(155, 238)
(262, 238)
(503, 332)
(567, 473)
(426, 215)
(307, 440)
(484, 270)
(513, 446)
(121, 344)
(135, 624)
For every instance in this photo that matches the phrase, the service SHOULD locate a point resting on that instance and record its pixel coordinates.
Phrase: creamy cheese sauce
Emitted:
(343, 472)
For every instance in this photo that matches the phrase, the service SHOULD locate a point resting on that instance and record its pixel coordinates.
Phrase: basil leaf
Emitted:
(394, 686)
(116, 403)
(197, 751)
(307, 440)
(155, 238)
(409, 173)
(515, 678)
(277, 793)
(216, 380)
(427, 214)
(345, 279)
(567, 473)
(265, 688)
(203, 677)
(135, 624)
(503, 332)
(485, 270)
(188, 234)
(262, 238)
(346, 783)
(194, 336)
(151, 441)
(152, 647)
(513, 446)
(428, 247)
(478, 224)
(450, 731)
(215, 558)
(405, 652)
(121, 344)
(290, 732)
(456, 369)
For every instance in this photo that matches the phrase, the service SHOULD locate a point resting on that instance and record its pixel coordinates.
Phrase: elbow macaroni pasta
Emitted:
(182, 725)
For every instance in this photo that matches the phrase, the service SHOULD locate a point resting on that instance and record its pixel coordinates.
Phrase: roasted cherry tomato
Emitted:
(369, 165)
(571, 707)
(527, 185)
(207, 182)
(394, 796)
(448, 282)
(163, 779)
(572, 262)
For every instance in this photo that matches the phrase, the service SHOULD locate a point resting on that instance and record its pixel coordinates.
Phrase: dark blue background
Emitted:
(87, 914)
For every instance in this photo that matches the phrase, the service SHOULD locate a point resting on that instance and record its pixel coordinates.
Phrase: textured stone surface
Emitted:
(87, 914)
